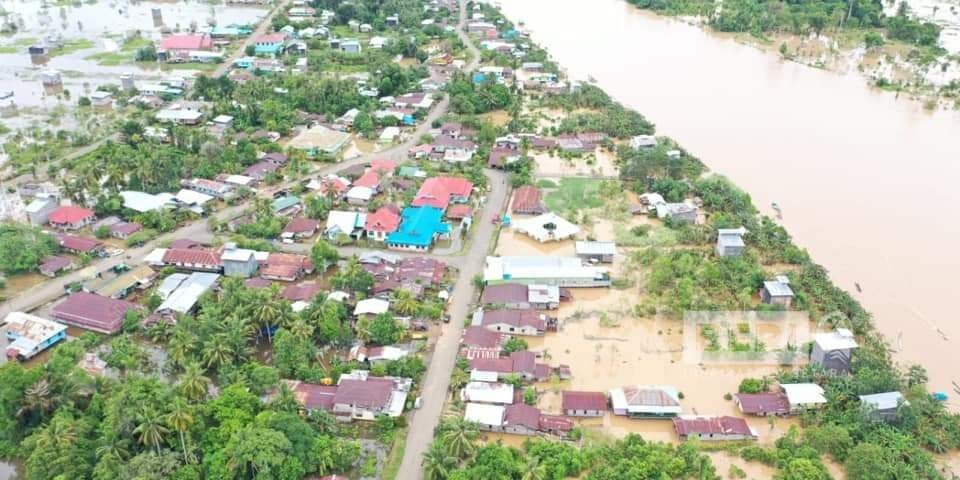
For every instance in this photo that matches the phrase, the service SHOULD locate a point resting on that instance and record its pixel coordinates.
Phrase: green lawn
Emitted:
(72, 46)
(575, 193)
(125, 55)
(18, 45)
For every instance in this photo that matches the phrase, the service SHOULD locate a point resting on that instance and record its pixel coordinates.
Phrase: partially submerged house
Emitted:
(523, 364)
(834, 350)
(487, 392)
(596, 252)
(514, 322)
(883, 406)
(803, 396)
(518, 419)
(184, 298)
(238, 262)
(93, 312)
(357, 396)
(709, 428)
(678, 212)
(548, 227)
(730, 242)
(522, 296)
(559, 271)
(646, 401)
(763, 404)
(583, 404)
(29, 335)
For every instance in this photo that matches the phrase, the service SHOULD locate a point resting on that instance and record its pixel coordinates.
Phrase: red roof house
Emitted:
(441, 191)
(479, 337)
(186, 43)
(522, 418)
(763, 404)
(286, 267)
(125, 229)
(584, 404)
(193, 259)
(312, 396)
(78, 244)
(383, 167)
(369, 179)
(301, 292)
(459, 212)
(527, 200)
(713, 428)
(71, 217)
(93, 312)
(422, 270)
(54, 264)
(301, 227)
(385, 220)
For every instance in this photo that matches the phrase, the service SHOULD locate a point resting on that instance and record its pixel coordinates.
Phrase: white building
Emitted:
(559, 271)
(371, 306)
(486, 392)
(548, 227)
(803, 396)
(188, 293)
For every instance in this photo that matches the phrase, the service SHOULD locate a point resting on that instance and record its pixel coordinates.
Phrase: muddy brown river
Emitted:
(866, 181)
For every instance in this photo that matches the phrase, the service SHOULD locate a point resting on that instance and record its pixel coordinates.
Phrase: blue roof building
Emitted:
(419, 228)
(284, 203)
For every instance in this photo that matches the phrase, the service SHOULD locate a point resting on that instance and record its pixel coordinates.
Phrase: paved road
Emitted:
(437, 380)
(242, 50)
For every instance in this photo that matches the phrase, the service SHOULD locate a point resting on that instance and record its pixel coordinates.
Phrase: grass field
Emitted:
(575, 194)
(125, 55)
(74, 45)
(17, 45)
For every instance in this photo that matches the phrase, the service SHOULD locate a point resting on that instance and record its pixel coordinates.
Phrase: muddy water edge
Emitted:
(848, 165)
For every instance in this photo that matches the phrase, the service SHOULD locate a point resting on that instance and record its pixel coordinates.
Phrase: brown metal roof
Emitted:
(372, 393)
(504, 293)
(515, 318)
(482, 338)
(93, 312)
(527, 199)
(523, 414)
(711, 425)
(575, 400)
(763, 403)
(191, 256)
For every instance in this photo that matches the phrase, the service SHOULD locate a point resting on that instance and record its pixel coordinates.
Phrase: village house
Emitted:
(419, 227)
(236, 180)
(40, 208)
(71, 217)
(286, 267)
(340, 222)
(381, 223)
(359, 195)
(643, 141)
(180, 47)
(646, 401)
(596, 252)
(319, 140)
(143, 202)
(730, 242)
(777, 292)
(123, 230)
(270, 45)
(439, 192)
(678, 212)
(834, 350)
(54, 264)
(351, 46)
(414, 100)
(583, 404)
(522, 296)
(502, 157)
(548, 227)
(527, 200)
(300, 228)
(93, 312)
(81, 245)
(371, 307)
(763, 404)
(707, 428)
(517, 419)
(487, 392)
(514, 322)
(559, 271)
(29, 335)
(140, 277)
(191, 259)
(333, 187)
(238, 262)
(184, 298)
(803, 396)
(453, 150)
(286, 205)
(523, 364)
(883, 406)
(479, 342)
(179, 116)
(357, 396)
(377, 354)
(212, 188)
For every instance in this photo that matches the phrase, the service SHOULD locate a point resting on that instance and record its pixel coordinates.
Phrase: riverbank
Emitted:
(928, 75)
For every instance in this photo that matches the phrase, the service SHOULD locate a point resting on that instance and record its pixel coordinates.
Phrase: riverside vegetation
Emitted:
(693, 278)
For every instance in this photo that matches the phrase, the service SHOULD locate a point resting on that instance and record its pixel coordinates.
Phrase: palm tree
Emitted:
(181, 419)
(458, 436)
(181, 346)
(437, 463)
(37, 399)
(216, 352)
(269, 314)
(193, 383)
(151, 429)
(534, 470)
(404, 302)
(362, 329)
(300, 328)
(459, 379)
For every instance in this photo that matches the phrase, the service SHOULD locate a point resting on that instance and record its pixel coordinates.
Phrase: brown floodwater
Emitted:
(866, 180)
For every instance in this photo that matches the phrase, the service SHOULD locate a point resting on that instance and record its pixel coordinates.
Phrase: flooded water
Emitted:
(103, 26)
(847, 164)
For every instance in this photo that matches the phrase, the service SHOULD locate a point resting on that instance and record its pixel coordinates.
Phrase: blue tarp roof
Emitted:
(418, 226)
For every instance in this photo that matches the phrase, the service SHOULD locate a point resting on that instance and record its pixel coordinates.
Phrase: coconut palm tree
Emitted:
(362, 329)
(193, 383)
(437, 463)
(181, 419)
(458, 436)
(404, 302)
(38, 398)
(216, 351)
(534, 470)
(300, 328)
(150, 430)
(459, 379)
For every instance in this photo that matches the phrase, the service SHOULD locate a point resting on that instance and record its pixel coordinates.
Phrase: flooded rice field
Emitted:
(85, 30)
(599, 163)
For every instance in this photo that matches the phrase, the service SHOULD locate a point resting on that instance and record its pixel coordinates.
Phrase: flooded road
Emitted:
(867, 182)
